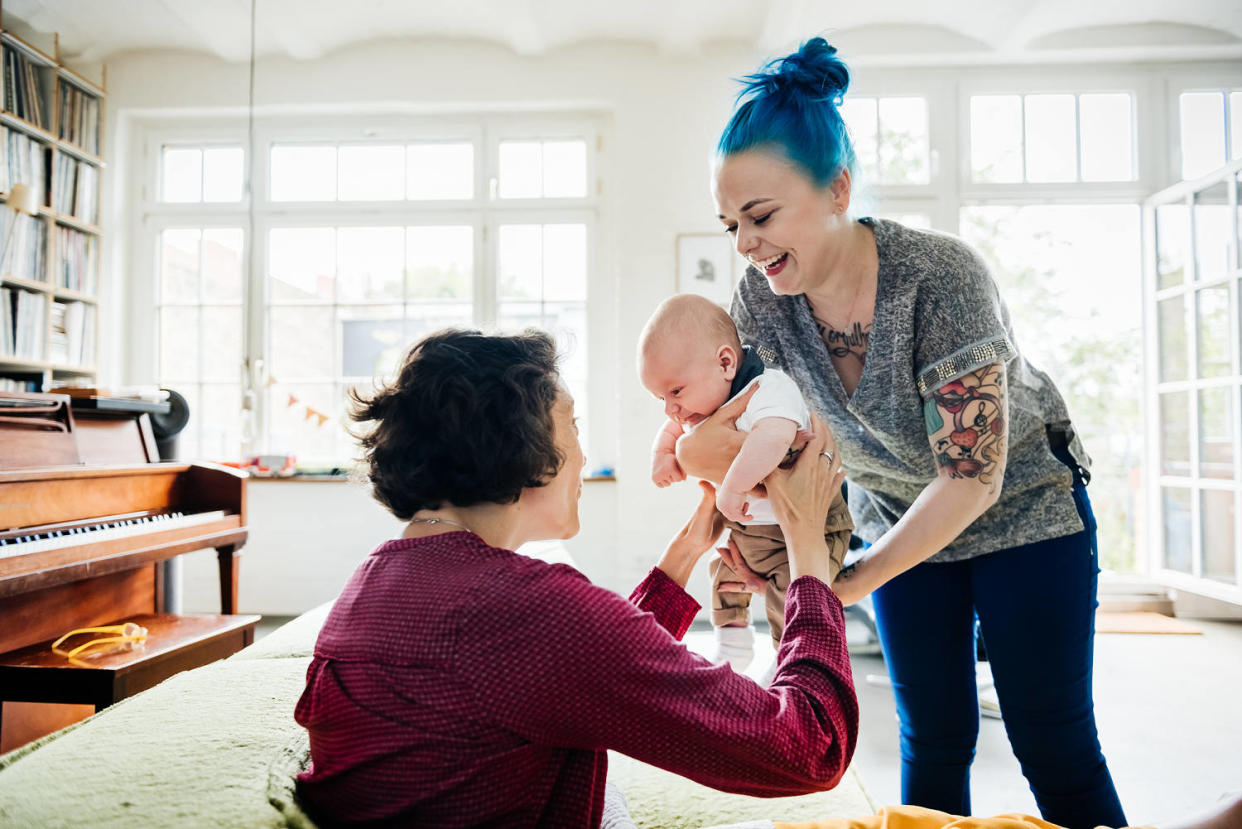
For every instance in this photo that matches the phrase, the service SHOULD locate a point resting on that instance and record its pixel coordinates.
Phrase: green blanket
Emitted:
(217, 746)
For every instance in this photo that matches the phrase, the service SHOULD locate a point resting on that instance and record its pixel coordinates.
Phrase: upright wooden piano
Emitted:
(84, 544)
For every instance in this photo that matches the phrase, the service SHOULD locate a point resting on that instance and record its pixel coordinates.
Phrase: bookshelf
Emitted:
(51, 131)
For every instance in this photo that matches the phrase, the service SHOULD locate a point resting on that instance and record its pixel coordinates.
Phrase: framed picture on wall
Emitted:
(705, 266)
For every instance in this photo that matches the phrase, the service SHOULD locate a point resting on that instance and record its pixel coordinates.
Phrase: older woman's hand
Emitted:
(709, 450)
(694, 539)
(801, 496)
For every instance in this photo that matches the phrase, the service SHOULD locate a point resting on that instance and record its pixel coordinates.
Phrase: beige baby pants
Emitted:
(763, 549)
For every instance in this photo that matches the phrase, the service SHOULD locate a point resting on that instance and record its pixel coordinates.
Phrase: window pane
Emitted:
(291, 428)
(996, 138)
(300, 343)
(860, 116)
(302, 263)
(1203, 132)
(564, 169)
(179, 344)
(564, 262)
(904, 149)
(1216, 433)
(222, 335)
(370, 172)
(1214, 356)
(370, 263)
(222, 174)
(521, 262)
(421, 320)
(179, 266)
(182, 179)
(439, 262)
(219, 430)
(1176, 509)
(1172, 244)
(222, 264)
(303, 173)
(1174, 434)
(1216, 525)
(520, 170)
(187, 441)
(439, 171)
(1107, 144)
(373, 340)
(1050, 133)
(1171, 322)
(1213, 231)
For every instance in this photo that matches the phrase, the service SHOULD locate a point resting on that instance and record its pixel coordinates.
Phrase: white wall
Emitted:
(665, 114)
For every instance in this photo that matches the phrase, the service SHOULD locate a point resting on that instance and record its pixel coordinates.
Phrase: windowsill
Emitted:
(346, 478)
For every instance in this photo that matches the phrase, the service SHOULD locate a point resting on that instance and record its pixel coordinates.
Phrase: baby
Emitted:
(690, 357)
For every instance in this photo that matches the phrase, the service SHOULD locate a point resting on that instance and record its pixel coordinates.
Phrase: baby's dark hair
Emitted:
(467, 421)
(792, 103)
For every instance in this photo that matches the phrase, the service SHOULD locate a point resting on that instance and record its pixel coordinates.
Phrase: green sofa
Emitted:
(217, 746)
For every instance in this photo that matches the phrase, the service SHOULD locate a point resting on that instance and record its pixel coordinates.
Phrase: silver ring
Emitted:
(827, 455)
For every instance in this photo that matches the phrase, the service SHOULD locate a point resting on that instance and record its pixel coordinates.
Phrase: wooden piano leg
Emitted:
(228, 557)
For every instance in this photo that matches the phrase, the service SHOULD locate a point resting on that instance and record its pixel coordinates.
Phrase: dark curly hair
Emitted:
(468, 421)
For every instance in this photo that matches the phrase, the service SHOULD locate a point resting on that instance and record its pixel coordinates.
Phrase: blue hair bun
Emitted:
(814, 71)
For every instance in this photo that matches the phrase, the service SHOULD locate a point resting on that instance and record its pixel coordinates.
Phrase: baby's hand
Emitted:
(733, 505)
(666, 470)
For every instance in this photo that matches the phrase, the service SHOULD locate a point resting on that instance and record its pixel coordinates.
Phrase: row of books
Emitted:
(72, 334)
(77, 267)
(22, 317)
(79, 118)
(26, 243)
(23, 87)
(76, 189)
(22, 159)
(13, 384)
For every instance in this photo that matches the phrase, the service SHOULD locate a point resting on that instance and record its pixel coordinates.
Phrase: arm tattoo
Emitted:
(966, 425)
(845, 343)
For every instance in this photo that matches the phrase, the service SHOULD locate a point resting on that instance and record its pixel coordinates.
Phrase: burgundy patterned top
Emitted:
(457, 684)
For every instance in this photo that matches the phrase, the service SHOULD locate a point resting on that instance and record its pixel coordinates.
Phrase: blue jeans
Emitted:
(1036, 607)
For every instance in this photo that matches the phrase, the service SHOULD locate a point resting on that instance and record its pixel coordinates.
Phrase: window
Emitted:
(1211, 130)
(362, 247)
(1195, 301)
(1049, 138)
(201, 174)
(199, 312)
(426, 171)
(890, 138)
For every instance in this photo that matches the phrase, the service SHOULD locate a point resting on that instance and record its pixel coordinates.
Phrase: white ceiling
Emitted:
(881, 31)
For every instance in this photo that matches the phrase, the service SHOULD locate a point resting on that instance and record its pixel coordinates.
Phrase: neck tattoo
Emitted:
(845, 343)
(442, 521)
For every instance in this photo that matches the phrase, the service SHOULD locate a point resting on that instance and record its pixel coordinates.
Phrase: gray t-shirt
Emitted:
(938, 316)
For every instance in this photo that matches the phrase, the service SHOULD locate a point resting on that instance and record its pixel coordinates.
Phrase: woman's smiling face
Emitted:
(781, 222)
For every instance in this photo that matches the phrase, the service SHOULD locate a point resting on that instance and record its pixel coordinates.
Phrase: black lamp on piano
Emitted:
(89, 519)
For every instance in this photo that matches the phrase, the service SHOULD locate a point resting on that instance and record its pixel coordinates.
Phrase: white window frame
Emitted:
(482, 211)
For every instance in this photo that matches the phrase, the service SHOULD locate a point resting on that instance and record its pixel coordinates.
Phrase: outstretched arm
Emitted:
(763, 450)
(967, 426)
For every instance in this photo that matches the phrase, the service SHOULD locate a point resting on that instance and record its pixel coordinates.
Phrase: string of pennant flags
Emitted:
(309, 412)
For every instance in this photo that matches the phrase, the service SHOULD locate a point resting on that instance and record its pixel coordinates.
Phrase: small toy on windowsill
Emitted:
(271, 466)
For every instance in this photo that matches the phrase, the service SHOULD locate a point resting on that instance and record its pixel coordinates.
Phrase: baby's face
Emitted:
(692, 382)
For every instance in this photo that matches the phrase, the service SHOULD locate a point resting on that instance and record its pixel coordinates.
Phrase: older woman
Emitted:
(457, 683)
(965, 473)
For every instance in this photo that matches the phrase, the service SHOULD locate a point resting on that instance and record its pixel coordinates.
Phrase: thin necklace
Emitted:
(442, 521)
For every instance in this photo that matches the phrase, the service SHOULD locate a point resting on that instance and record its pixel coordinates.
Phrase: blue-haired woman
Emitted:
(965, 474)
